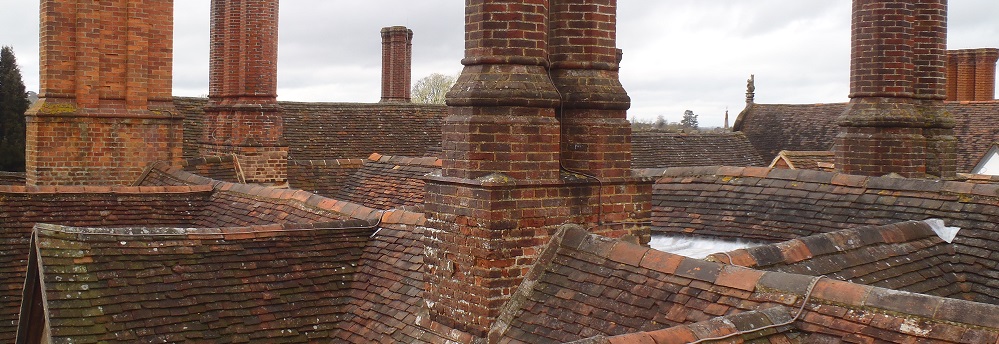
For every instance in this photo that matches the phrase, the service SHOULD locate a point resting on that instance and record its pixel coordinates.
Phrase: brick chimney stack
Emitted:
(243, 116)
(510, 127)
(106, 109)
(896, 122)
(397, 60)
(584, 67)
(972, 74)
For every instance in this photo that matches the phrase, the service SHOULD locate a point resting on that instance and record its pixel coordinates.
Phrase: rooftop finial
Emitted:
(751, 89)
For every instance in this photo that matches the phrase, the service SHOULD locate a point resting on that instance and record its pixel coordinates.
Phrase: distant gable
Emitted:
(990, 162)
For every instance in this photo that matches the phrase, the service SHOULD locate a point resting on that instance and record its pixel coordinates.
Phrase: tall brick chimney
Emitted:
(584, 67)
(105, 109)
(243, 116)
(502, 192)
(895, 122)
(397, 60)
(972, 74)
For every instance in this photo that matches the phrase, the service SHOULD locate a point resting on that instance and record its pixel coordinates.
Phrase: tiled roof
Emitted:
(21, 207)
(386, 182)
(806, 160)
(324, 131)
(253, 284)
(585, 286)
(12, 178)
(322, 177)
(728, 326)
(907, 256)
(977, 129)
(169, 197)
(779, 204)
(772, 128)
(812, 127)
(224, 168)
(387, 296)
(659, 149)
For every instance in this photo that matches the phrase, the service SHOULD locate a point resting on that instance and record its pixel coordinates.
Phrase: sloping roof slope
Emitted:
(772, 128)
(907, 256)
(387, 300)
(659, 149)
(806, 160)
(322, 177)
(168, 197)
(977, 129)
(779, 204)
(730, 326)
(12, 178)
(585, 286)
(253, 284)
(386, 182)
(324, 131)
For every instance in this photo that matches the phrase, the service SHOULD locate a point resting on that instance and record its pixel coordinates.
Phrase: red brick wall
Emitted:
(397, 57)
(482, 239)
(243, 117)
(106, 109)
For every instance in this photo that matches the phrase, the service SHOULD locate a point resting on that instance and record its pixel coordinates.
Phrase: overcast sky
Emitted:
(679, 54)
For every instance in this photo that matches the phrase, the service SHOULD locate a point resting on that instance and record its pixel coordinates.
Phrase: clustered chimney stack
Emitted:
(243, 117)
(895, 122)
(584, 67)
(105, 109)
(539, 91)
(397, 59)
(971, 74)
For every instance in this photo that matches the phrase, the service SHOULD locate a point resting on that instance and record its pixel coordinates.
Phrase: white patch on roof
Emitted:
(697, 248)
(946, 233)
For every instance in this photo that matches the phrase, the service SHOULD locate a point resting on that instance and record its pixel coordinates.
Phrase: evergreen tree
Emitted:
(689, 120)
(13, 104)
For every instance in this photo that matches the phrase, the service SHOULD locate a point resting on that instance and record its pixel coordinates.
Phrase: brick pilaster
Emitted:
(596, 134)
(243, 117)
(966, 75)
(895, 122)
(930, 89)
(397, 57)
(105, 110)
(985, 74)
(952, 61)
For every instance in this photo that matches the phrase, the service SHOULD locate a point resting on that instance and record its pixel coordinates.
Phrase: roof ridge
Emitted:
(747, 326)
(800, 249)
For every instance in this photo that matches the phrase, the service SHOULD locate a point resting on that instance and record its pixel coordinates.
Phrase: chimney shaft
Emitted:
(896, 122)
(242, 116)
(397, 59)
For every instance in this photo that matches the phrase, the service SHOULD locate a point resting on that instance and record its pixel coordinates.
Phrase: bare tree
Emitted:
(432, 88)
